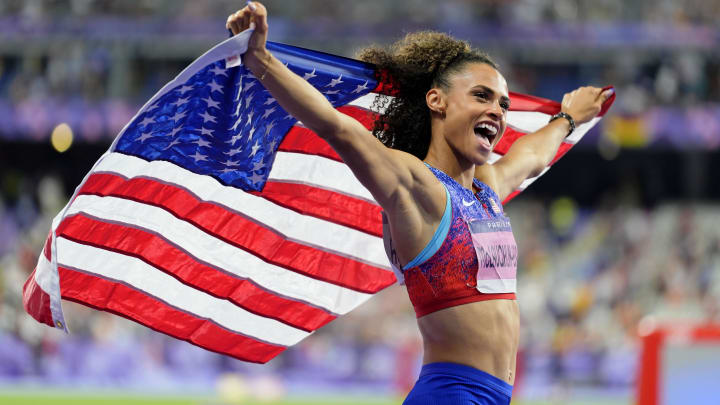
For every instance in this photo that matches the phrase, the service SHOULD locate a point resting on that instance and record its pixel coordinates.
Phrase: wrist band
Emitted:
(567, 117)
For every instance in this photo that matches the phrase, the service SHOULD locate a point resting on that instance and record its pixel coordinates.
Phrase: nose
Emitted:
(496, 112)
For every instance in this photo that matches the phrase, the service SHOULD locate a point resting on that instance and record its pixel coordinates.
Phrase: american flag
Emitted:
(217, 218)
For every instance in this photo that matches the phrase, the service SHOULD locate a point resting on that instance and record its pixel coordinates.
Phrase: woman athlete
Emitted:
(426, 167)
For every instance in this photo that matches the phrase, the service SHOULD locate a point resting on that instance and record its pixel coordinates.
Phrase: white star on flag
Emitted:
(233, 152)
(147, 120)
(173, 143)
(202, 143)
(180, 101)
(211, 103)
(207, 117)
(234, 139)
(247, 86)
(218, 71)
(256, 178)
(335, 82)
(268, 112)
(361, 87)
(144, 136)
(269, 127)
(215, 87)
(179, 115)
(199, 156)
(255, 149)
(258, 166)
(249, 117)
(184, 89)
(249, 100)
(310, 75)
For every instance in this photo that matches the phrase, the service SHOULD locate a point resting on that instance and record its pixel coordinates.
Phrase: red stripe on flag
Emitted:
(130, 303)
(509, 137)
(524, 102)
(385, 83)
(562, 150)
(365, 117)
(325, 204)
(303, 140)
(36, 301)
(162, 255)
(47, 249)
(511, 196)
(244, 233)
(606, 105)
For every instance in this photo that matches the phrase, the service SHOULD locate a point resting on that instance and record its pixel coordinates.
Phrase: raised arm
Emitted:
(530, 154)
(380, 169)
(399, 182)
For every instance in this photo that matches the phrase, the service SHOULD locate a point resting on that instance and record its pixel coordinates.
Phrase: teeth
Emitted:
(491, 129)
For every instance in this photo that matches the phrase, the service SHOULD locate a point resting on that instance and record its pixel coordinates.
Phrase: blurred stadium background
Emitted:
(623, 234)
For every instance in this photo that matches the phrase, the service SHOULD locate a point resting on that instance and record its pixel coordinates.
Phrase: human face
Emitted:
(475, 118)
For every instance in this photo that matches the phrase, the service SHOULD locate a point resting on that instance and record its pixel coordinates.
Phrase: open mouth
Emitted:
(487, 131)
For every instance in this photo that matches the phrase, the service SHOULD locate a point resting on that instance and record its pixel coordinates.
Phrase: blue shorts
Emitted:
(457, 384)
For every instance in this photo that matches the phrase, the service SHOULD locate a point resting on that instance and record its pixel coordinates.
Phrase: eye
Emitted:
(482, 95)
(505, 106)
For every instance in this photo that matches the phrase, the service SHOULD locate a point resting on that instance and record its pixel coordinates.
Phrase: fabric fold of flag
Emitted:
(215, 217)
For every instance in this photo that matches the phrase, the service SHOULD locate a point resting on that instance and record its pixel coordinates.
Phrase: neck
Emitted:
(442, 156)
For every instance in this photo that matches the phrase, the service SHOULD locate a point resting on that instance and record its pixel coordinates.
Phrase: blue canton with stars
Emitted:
(223, 123)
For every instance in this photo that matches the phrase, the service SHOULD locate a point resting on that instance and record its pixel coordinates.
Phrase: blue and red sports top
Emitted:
(471, 257)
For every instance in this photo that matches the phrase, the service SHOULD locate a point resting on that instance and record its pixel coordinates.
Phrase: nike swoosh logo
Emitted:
(467, 204)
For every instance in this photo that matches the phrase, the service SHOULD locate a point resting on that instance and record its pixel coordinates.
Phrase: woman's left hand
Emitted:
(585, 103)
(254, 15)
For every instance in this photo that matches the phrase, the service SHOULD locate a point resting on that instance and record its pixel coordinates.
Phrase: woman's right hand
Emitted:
(254, 15)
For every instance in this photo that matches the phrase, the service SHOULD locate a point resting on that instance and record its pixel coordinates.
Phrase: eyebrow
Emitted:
(491, 91)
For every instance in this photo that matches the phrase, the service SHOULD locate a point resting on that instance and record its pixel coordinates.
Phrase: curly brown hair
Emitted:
(413, 65)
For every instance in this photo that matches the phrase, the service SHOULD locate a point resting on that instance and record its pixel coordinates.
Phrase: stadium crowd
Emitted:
(693, 12)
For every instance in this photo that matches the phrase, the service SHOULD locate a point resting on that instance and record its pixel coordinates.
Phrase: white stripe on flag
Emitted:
(494, 157)
(141, 276)
(527, 121)
(531, 121)
(218, 253)
(366, 102)
(43, 272)
(318, 171)
(581, 130)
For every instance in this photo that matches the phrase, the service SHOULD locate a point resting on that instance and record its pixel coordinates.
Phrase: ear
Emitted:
(435, 100)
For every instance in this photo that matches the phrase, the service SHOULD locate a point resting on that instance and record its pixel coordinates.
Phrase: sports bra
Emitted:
(471, 257)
